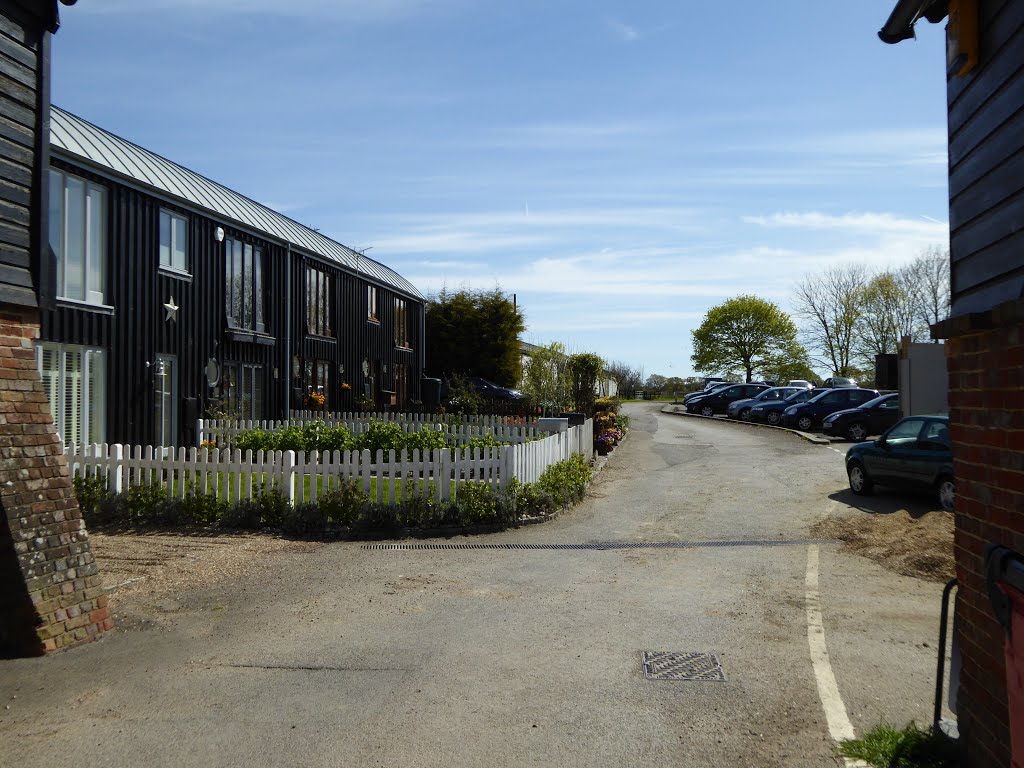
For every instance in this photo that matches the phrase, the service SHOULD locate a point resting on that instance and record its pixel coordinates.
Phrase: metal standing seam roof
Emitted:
(74, 137)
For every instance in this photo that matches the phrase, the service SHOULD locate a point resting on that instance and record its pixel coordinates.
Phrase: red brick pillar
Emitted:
(50, 593)
(986, 398)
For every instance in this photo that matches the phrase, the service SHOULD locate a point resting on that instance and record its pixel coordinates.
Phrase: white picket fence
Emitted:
(388, 479)
(223, 433)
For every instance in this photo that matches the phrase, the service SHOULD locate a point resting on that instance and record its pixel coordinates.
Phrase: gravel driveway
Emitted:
(339, 654)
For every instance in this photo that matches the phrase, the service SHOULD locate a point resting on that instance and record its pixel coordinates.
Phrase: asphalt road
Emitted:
(358, 657)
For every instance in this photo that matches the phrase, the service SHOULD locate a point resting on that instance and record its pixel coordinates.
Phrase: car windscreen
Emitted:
(798, 397)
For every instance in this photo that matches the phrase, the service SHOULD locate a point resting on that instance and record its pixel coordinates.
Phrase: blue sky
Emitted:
(621, 167)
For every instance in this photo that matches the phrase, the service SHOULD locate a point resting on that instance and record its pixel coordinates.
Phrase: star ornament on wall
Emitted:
(172, 310)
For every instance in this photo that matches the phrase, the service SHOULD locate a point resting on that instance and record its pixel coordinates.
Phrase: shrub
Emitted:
(344, 504)
(481, 442)
(426, 439)
(476, 503)
(566, 481)
(380, 436)
(306, 519)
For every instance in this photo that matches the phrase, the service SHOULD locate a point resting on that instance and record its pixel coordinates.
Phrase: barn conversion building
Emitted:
(175, 296)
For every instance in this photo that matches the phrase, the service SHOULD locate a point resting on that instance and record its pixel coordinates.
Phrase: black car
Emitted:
(914, 453)
(871, 418)
(740, 409)
(491, 391)
(712, 387)
(719, 399)
(771, 412)
(806, 416)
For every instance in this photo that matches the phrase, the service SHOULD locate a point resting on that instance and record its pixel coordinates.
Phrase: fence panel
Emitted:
(232, 476)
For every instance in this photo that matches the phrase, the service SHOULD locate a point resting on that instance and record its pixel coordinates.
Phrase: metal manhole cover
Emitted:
(666, 665)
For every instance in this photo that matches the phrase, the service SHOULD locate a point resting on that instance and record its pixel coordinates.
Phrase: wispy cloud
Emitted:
(880, 224)
(625, 32)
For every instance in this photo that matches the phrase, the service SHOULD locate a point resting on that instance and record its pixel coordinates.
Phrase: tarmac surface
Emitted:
(351, 656)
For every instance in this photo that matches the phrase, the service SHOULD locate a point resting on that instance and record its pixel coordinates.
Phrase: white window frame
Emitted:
(93, 387)
(93, 264)
(171, 246)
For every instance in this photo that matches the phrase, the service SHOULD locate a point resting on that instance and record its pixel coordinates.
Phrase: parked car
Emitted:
(914, 453)
(771, 412)
(807, 416)
(740, 409)
(800, 383)
(712, 387)
(839, 381)
(489, 389)
(718, 400)
(871, 418)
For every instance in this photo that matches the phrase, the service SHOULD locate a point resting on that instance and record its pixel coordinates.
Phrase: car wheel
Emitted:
(707, 410)
(774, 417)
(804, 423)
(857, 432)
(947, 493)
(745, 414)
(860, 483)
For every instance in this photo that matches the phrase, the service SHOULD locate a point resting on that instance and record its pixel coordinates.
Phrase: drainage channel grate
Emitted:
(667, 665)
(607, 545)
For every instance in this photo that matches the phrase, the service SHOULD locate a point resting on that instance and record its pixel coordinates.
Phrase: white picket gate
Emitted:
(232, 475)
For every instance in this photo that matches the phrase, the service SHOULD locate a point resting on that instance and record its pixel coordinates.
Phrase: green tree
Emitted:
(545, 378)
(474, 333)
(584, 372)
(746, 333)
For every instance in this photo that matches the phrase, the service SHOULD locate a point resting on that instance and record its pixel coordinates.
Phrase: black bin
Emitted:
(431, 392)
(575, 419)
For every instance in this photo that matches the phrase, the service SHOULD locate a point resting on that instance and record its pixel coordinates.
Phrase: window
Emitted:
(166, 400)
(318, 302)
(401, 324)
(243, 272)
(78, 236)
(243, 389)
(75, 382)
(905, 431)
(173, 241)
(371, 304)
(316, 380)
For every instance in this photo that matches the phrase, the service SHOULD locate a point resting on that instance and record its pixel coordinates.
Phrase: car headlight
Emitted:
(757, 409)
(791, 410)
(829, 419)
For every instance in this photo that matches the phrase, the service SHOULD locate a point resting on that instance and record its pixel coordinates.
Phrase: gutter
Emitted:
(900, 24)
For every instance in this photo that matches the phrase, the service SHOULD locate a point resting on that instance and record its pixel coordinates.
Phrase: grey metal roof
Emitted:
(78, 139)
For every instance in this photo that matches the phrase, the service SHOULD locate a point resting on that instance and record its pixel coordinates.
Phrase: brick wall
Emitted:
(50, 593)
(986, 378)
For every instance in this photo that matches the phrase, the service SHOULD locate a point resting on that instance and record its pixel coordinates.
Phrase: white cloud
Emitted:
(881, 224)
(625, 32)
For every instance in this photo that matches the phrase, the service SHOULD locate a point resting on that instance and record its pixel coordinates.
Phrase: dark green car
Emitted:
(914, 453)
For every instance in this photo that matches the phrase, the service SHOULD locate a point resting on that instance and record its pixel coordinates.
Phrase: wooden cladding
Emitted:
(986, 165)
(231, 308)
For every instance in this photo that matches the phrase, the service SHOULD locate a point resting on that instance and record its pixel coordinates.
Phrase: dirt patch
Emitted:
(919, 546)
(145, 571)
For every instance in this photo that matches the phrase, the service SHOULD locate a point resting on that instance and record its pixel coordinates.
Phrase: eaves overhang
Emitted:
(900, 24)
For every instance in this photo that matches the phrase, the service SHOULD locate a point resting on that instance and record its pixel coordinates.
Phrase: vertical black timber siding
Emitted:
(24, 105)
(355, 338)
(137, 330)
(986, 165)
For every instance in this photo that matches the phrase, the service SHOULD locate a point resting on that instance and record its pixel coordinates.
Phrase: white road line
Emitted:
(839, 726)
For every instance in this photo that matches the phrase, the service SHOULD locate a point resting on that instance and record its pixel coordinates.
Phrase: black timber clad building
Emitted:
(175, 297)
